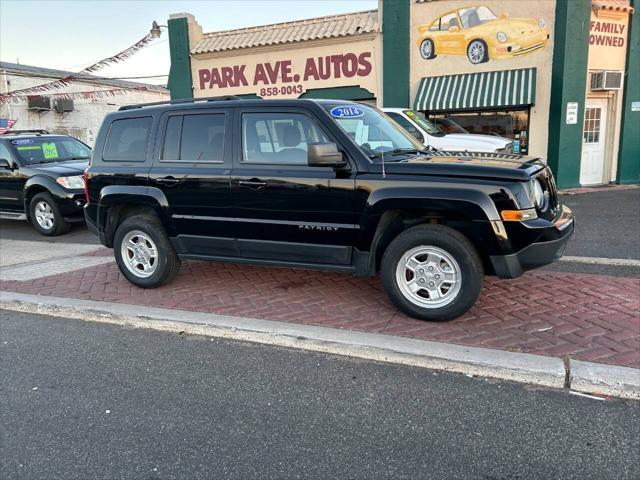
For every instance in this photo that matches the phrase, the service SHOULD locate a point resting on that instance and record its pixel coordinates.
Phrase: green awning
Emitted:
(504, 88)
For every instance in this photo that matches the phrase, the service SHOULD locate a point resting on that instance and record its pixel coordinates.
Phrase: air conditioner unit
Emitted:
(38, 103)
(606, 80)
(63, 105)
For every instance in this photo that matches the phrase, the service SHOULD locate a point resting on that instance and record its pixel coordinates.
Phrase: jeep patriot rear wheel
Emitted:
(432, 272)
(143, 252)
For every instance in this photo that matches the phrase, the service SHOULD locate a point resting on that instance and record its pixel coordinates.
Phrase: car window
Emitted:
(435, 26)
(278, 138)
(426, 125)
(127, 140)
(474, 16)
(406, 124)
(195, 138)
(448, 21)
(5, 154)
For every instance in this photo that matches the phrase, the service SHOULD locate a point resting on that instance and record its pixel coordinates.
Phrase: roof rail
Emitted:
(20, 132)
(181, 100)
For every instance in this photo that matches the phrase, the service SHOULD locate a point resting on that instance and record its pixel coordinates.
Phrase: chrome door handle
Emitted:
(252, 183)
(168, 180)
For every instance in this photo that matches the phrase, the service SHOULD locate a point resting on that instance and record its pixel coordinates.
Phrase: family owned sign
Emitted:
(284, 74)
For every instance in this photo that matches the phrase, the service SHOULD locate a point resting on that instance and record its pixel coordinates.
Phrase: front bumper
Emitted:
(523, 45)
(71, 207)
(537, 254)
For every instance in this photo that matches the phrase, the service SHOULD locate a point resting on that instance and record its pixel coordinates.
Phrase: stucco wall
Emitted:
(298, 54)
(426, 13)
(83, 122)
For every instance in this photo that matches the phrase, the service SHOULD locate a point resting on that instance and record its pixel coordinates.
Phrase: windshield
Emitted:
(49, 149)
(429, 127)
(474, 16)
(372, 130)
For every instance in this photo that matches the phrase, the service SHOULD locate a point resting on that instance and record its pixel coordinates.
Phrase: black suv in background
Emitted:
(41, 179)
(322, 184)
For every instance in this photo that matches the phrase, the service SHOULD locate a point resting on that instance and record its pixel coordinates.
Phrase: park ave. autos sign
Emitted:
(285, 77)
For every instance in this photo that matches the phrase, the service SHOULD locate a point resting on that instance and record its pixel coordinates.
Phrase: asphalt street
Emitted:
(84, 400)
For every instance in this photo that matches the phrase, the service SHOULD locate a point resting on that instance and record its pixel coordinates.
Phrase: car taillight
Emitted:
(86, 185)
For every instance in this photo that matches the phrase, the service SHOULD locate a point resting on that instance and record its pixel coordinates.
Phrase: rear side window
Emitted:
(127, 140)
(195, 138)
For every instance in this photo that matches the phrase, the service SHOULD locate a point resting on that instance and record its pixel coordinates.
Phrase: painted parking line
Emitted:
(620, 262)
(33, 271)
(15, 252)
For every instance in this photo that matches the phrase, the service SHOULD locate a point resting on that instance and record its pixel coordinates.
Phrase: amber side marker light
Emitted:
(518, 215)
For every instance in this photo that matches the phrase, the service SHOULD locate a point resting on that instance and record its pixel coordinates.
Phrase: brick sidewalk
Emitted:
(590, 317)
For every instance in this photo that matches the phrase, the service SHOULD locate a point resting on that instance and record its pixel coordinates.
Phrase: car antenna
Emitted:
(384, 173)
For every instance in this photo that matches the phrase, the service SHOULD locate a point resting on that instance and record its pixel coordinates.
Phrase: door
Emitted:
(593, 142)
(285, 210)
(11, 183)
(191, 167)
(451, 40)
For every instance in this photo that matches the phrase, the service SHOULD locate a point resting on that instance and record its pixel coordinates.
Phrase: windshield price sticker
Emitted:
(346, 112)
(22, 141)
(49, 150)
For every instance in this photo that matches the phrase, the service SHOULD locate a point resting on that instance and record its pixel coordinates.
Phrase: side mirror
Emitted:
(6, 164)
(324, 155)
(454, 29)
(504, 16)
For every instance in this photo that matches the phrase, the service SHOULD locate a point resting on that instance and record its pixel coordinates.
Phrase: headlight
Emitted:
(542, 23)
(508, 148)
(538, 193)
(75, 182)
(502, 37)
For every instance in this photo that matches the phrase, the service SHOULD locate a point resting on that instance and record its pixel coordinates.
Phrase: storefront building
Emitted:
(558, 77)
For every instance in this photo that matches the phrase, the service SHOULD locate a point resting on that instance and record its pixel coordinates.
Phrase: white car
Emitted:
(431, 135)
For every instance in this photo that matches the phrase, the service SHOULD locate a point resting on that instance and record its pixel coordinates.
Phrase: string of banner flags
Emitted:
(49, 89)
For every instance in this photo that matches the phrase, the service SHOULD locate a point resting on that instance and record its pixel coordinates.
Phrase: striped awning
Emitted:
(504, 88)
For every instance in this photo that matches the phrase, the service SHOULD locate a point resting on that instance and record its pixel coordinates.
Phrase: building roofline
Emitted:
(83, 77)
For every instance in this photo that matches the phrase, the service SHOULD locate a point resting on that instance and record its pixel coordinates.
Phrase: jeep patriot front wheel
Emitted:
(432, 272)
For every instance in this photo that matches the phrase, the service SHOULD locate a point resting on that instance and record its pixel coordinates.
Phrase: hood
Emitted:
(60, 169)
(513, 26)
(469, 164)
(471, 141)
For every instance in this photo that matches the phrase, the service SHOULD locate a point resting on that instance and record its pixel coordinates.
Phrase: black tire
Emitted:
(58, 225)
(477, 60)
(427, 42)
(168, 263)
(456, 246)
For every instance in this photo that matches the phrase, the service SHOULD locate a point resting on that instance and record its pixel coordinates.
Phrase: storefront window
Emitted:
(512, 124)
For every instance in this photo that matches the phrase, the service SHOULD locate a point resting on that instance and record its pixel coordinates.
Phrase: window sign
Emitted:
(572, 113)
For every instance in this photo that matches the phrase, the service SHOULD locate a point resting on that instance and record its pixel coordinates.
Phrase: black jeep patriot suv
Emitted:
(317, 184)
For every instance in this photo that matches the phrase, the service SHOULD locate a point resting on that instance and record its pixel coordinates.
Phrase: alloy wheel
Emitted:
(140, 253)
(428, 277)
(44, 215)
(477, 52)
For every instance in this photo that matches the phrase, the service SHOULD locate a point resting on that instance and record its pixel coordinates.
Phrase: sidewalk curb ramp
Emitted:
(586, 377)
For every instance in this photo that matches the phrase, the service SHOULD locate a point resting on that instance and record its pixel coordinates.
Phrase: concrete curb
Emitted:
(605, 379)
(512, 366)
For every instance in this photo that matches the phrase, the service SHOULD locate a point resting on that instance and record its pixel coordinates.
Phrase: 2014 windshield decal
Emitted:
(346, 111)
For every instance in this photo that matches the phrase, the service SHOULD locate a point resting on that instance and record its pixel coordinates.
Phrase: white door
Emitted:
(593, 141)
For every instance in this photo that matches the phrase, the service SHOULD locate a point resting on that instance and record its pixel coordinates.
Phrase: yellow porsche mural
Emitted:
(481, 35)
